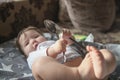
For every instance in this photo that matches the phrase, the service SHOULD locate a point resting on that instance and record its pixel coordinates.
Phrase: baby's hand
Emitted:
(60, 46)
(57, 48)
(66, 34)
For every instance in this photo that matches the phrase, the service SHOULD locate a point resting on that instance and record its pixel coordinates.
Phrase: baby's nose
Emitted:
(34, 43)
(32, 40)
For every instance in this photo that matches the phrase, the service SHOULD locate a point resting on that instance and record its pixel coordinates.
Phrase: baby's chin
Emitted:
(28, 53)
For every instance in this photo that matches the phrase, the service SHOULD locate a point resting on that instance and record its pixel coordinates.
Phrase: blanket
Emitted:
(13, 65)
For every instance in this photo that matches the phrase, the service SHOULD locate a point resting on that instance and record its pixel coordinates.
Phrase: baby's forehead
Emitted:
(24, 34)
(22, 37)
(31, 31)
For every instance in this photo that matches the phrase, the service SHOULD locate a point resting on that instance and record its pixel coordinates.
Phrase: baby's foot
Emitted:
(86, 69)
(66, 34)
(99, 63)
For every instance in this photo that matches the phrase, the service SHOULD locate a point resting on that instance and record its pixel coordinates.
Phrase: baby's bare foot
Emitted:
(99, 63)
(86, 69)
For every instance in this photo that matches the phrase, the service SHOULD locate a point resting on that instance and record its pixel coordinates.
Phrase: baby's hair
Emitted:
(23, 31)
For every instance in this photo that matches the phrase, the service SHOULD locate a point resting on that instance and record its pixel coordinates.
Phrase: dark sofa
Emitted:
(17, 14)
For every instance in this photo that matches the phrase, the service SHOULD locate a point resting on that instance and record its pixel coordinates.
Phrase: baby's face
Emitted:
(29, 41)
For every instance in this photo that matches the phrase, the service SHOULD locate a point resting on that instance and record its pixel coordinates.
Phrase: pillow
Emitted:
(13, 65)
(91, 14)
(63, 14)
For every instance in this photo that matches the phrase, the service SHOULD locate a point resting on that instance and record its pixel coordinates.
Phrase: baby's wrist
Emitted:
(51, 51)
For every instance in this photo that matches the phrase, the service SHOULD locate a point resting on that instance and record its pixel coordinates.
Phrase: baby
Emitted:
(45, 57)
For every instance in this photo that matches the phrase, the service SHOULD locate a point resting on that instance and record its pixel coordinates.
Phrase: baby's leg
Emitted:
(47, 68)
(101, 62)
(110, 60)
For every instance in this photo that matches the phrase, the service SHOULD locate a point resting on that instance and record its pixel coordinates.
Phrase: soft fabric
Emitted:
(18, 14)
(40, 51)
(13, 65)
(63, 14)
(91, 14)
(71, 53)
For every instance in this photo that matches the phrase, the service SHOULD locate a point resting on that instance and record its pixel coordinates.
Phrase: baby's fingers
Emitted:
(66, 33)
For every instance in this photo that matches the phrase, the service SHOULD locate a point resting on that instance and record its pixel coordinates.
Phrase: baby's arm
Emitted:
(60, 45)
(57, 48)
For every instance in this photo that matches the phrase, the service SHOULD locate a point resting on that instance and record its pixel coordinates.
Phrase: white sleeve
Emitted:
(36, 54)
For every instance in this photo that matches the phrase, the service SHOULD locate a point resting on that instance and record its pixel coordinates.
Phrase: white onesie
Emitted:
(41, 51)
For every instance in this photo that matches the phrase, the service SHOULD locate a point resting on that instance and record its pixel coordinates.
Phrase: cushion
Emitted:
(13, 65)
(118, 8)
(91, 14)
(63, 14)
(17, 14)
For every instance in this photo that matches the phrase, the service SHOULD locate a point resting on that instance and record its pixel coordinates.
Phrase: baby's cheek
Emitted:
(28, 50)
(32, 49)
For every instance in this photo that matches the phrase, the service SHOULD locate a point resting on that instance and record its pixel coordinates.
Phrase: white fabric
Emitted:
(41, 51)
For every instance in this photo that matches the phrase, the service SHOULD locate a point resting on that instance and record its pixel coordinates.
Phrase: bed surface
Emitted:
(13, 65)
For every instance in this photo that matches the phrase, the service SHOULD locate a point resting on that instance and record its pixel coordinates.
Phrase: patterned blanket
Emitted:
(13, 65)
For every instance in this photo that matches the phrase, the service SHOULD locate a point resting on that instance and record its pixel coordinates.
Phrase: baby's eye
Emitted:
(26, 43)
(36, 36)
